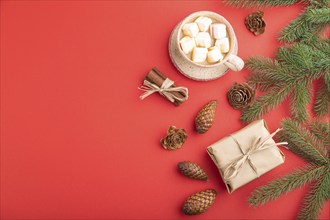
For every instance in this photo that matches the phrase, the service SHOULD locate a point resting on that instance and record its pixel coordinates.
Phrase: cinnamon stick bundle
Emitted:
(179, 94)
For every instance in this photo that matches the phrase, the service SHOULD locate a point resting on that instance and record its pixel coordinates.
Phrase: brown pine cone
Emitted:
(255, 23)
(199, 202)
(175, 138)
(241, 96)
(205, 117)
(192, 170)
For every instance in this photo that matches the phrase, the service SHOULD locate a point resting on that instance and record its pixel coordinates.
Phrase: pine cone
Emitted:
(199, 202)
(192, 170)
(255, 23)
(241, 96)
(205, 117)
(175, 138)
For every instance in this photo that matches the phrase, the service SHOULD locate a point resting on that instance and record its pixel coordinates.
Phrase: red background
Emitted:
(76, 141)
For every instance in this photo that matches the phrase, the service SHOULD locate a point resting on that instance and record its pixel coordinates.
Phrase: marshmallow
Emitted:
(203, 23)
(223, 44)
(214, 55)
(190, 29)
(203, 39)
(187, 44)
(218, 31)
(199, 54)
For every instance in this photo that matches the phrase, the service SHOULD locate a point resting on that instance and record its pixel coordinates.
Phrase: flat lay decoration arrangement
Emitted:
(165, 109)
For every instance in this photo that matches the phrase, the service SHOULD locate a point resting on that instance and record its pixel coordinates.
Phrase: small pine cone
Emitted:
(192, 170)
(241, 96)
(174, 139)
(205, 117)
(199, 202)
(255, 23)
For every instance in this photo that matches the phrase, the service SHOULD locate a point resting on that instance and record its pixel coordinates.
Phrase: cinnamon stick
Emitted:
(156, 77)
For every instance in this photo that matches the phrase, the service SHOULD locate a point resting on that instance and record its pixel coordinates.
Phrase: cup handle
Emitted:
(234, 63)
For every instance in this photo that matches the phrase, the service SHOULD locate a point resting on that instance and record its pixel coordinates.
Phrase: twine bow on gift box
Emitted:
(165, 90)
(258, 145)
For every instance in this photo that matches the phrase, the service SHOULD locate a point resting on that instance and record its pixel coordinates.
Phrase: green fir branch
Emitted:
(318, 16)
(322, 101)
(295, 30)
(302, 142)
(259, 3)
(319, 3)
(316, 198)
(321, 130)
(299, 101)
(310, 21)
(265, 103)
(267, 72)
(304, 60)
(276, 188)
(327, 80)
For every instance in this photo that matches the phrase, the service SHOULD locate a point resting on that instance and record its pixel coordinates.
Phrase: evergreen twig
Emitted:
(299, 101)
(322, 101)
(259, 3)
(267, 102)
(276, 188)
(321, 130)
(316, 198)
(302, 142)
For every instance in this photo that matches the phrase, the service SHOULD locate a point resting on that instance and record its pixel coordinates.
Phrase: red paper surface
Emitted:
(76, 141)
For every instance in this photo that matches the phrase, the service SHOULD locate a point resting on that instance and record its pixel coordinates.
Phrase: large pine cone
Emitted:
(192, 170)
(205, 117)
(175, 138)
(255, 23)
(241, 96)
(199, 202)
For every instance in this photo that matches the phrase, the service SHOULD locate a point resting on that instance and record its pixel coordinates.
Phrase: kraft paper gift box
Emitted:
(246, 154)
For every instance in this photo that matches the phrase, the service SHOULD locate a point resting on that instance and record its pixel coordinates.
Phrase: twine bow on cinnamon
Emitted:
(165, 90)
(258, 145)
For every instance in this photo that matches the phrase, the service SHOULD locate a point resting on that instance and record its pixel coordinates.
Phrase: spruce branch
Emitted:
(316, 198)
(327, 80)
(267, 102)
(259, 3)
(292, 72)
(295, 30)
(302, 142)
(318, 16)
(283, 185)
(319, 3)
(310, 21)
(321, 130)
(299, 101)
(267, 73)
(322, 101)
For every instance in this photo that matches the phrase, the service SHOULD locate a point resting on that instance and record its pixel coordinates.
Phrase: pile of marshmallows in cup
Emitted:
(204, 41)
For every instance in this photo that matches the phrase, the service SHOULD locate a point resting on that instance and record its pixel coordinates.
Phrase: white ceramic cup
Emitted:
(232, 61)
